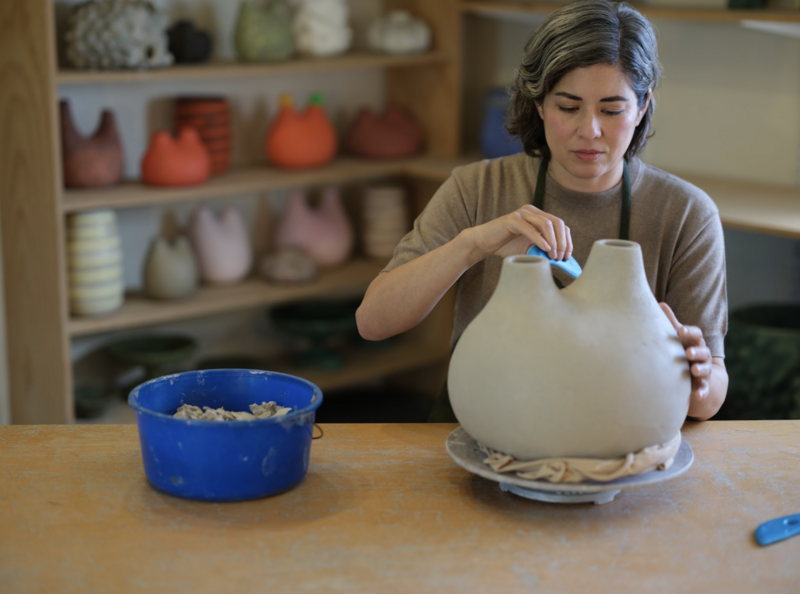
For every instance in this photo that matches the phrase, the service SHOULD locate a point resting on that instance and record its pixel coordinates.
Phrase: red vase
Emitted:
(90, 162)
(391, 135)
(171, 162)
(301, 139)
(211, 117)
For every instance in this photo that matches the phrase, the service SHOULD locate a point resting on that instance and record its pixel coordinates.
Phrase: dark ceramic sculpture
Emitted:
(90, 162)
(211, 117)
(391, 135)
(187, 44)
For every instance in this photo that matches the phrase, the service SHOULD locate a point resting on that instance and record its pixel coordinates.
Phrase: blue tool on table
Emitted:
(571, 266)
(778, 529)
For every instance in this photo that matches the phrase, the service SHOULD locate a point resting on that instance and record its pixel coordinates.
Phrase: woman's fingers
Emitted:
(553, 231)
(671, 316)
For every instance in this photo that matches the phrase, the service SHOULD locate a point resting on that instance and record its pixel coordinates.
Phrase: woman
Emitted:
(582, 104)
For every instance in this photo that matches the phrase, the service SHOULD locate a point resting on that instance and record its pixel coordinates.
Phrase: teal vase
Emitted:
(264, 31)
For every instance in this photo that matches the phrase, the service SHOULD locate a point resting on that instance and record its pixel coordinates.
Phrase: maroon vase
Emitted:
(94, 161)
(391, 135)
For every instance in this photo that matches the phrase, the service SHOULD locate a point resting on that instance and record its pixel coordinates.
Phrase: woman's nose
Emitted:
(589, 126)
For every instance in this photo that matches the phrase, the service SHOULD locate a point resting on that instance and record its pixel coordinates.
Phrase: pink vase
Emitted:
(324, 233)
(222, 246)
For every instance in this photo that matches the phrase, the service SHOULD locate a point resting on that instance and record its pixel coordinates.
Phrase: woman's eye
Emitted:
(613, 112)
(568, 109)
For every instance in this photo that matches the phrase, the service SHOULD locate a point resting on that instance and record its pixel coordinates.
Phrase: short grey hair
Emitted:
(578, 35)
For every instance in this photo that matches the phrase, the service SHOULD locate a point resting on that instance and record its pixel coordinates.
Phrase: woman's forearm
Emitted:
(706, 408)
(400, 299)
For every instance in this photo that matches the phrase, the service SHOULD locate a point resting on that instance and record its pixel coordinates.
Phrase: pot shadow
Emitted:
(315, 498)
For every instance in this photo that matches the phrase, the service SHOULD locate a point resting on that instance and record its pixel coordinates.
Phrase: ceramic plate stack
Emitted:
(95, 263)
(385, 220)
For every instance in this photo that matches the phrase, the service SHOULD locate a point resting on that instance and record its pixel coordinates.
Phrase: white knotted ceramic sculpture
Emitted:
(320, 27)
(222, 246)
(324, 232)
(594, 370)
(170, 269)
(399, 33)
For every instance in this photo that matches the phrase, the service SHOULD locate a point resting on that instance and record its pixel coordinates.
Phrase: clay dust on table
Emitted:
(265, 410)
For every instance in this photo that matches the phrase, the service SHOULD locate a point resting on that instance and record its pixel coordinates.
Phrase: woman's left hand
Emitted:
(709, 377)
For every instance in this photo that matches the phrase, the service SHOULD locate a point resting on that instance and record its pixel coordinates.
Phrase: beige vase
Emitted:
(170, 270)
(594, 370)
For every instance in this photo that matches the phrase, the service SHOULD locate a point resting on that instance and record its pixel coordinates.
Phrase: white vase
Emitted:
(222, 246)
(594, 370)
(94, 260)
(385, 220)
(399, 33)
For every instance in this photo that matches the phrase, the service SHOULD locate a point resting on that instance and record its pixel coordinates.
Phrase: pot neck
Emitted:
(614, 272)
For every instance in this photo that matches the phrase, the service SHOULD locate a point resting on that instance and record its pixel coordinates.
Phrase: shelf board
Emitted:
(748, 206)
(501, 9)
(367, 364)
(138, 311)
(255, 179)
(231, 69)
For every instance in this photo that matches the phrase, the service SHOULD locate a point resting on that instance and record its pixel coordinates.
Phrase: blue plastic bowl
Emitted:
(225, 460)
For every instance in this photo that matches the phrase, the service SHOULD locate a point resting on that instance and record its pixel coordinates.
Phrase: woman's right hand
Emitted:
(513, 234)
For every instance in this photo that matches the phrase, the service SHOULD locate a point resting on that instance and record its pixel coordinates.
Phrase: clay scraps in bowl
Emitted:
(265, 410)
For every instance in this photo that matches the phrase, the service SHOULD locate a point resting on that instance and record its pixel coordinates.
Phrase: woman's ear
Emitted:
(539, 109)
(644, 108)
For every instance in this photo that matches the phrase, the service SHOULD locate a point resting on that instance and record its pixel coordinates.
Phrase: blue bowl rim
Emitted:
(317, 399)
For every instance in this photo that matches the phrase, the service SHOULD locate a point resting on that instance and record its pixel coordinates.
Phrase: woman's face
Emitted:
(589, 119)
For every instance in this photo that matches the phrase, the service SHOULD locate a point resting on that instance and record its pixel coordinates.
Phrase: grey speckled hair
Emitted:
(581, 34)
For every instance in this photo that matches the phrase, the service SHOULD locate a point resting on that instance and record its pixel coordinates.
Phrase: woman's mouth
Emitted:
(588, 156)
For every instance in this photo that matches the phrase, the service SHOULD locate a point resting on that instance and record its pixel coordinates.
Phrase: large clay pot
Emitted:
(92, 162)
(94, 260)
(324, 233)
(264, 31)
(595, 370)
(211, 117)
(222, 245)
(301, 139)
(391, 135)
(171, 162)
(170, 270)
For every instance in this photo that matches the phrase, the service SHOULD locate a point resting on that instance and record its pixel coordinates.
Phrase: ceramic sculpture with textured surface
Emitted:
(385, 220)
(211, 117)
(320, 27)
(222, 245)
(90, 162)
(117, 34)
(595, 370)
(94, 260)
(264, 31)
(324, 233)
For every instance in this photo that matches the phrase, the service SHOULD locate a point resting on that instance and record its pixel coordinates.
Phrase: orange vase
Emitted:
(171, 162)
(301, 139)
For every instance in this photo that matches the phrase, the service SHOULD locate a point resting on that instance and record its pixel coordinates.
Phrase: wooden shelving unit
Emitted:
(34, 203)
(490, 9)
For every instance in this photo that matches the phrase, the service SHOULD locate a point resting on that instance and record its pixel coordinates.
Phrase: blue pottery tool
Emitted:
(778, 529)
(571, 266)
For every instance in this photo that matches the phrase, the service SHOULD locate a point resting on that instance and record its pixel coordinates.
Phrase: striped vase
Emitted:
(211, 117)
(94, 260)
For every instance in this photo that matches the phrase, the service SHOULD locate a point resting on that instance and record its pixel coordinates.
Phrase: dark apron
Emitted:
(442, 411)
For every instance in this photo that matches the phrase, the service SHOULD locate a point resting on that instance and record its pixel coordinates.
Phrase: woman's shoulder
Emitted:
(509, 168)
(673, 191)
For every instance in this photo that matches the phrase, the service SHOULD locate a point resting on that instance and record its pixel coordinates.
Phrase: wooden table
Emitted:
(384, 509)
